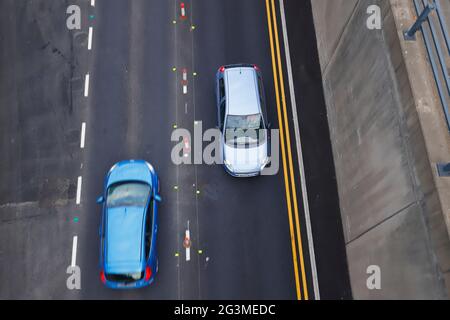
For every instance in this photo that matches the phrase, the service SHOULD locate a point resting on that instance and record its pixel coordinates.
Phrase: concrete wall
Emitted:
(391, 211)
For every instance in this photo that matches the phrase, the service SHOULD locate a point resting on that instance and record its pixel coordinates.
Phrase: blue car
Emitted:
(129, 225)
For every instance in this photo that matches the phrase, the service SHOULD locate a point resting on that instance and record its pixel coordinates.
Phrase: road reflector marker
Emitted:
(200, 251)
(174, 69)
(187, 243)
(183, 11)
(192, 28)
(175, 187)
(177, 254)
(186, 143)
(184, 80)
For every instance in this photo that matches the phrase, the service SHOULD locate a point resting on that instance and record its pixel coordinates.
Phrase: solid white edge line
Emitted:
(86, 86)
(74, 251)
(90, 38)
(300, 155)
(83, 135)
(80, 181)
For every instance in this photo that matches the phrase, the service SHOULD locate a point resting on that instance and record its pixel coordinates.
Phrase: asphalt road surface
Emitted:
(74, 102)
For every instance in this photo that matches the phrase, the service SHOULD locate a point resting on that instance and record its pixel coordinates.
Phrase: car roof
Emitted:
(130, 170)
(124, 239)
(242, 91)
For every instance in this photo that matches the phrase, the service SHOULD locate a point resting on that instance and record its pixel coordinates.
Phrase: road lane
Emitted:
(41, 65)
(187, 205)
(130, 117)
(244, 221)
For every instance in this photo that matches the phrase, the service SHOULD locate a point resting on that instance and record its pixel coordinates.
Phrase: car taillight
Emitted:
(222, 69)
(148, 273)
(256, 67)
(102, 276)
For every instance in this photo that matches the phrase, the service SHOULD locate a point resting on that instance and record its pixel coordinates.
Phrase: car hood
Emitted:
(245, 159)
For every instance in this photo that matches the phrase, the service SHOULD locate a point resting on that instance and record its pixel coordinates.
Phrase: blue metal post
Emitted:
(410, 35)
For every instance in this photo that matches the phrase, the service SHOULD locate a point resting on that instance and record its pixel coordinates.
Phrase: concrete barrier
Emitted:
(388, 132)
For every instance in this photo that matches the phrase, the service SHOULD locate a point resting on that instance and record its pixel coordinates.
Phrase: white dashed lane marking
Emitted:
(86, 85)
(90, 38)
(79, 190)
(83, 135)
(74, 251)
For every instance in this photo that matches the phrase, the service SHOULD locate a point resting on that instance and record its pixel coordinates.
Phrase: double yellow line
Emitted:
(285, 140)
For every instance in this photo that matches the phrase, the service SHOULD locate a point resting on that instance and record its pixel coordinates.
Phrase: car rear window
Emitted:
(125, 278)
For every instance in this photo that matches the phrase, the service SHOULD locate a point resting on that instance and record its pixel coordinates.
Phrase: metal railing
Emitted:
(436, 27)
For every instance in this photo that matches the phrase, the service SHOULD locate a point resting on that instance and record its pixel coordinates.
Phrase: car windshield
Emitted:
(244, 130)
(133, 194)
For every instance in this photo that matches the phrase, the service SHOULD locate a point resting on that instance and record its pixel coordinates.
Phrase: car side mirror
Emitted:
(158, 197)
(100, 200)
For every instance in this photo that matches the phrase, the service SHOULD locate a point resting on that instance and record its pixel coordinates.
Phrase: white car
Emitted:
(240, 103)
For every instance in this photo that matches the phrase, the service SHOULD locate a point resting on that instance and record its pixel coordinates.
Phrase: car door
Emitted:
(155, 230)
(102, 234)
(221, 102)
(222, 109)
(151, 230)
(262, 99)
